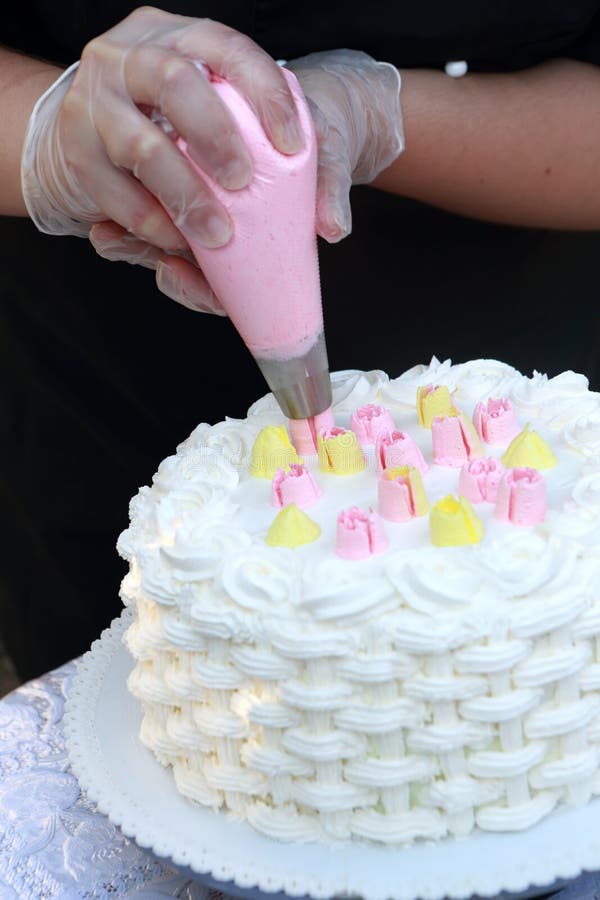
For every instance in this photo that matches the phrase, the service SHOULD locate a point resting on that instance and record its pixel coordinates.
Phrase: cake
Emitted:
(387, 679)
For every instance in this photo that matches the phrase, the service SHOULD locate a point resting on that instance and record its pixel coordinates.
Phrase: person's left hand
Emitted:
(355, 102)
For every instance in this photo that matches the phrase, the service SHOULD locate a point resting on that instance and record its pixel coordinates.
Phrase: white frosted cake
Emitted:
(415, 693)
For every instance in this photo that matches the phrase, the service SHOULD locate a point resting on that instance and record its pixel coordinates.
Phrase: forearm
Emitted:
(22, 81)
(520, 148)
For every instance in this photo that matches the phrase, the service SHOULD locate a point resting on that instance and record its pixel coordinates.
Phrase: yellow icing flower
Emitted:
(453, 522)
(529, 451)
(291, 527)
(340, 453)
(433, 401)
(272, 450)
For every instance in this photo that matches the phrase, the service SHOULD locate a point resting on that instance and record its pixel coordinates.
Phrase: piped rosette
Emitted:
(521, 497)
(455, 441)
(495, 422)
(340, 452)
(401, 494)
(359, 534)
(295, 485)
(479, 479)
(397, 448)
(369, 422)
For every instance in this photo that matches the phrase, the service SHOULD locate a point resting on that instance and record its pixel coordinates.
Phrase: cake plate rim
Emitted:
(114, 769)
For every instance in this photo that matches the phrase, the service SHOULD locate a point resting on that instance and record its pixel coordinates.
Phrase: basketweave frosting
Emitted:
(414, 694)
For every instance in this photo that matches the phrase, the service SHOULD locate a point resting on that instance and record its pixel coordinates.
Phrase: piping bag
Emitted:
(267, 275)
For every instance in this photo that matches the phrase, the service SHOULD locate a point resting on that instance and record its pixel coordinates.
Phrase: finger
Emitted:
(244, 64)
(124, 200)
(319, 121)
(181, 281)
(112, 242)
(174, 85)
(145, 23)
(133, 142)
(334, 214)
(176, 276)
(112, 190)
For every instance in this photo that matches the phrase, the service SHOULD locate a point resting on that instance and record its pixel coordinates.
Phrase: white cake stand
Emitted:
(117, 772)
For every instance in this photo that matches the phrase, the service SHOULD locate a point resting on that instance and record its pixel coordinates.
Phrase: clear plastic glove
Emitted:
(95, 151)
(355, 102)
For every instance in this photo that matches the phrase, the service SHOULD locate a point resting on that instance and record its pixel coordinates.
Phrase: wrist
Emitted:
(22, 80)
(43, 166)
(384, 126)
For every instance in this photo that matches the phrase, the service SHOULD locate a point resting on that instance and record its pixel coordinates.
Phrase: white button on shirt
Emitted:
(456, 68)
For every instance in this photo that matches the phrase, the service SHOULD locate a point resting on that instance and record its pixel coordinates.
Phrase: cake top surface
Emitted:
(197, 536)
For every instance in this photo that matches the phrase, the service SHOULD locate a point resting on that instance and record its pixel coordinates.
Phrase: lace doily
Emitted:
(53, 842)
(138, 794)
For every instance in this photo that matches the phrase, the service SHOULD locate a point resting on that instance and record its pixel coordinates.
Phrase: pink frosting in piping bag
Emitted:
(267, 275)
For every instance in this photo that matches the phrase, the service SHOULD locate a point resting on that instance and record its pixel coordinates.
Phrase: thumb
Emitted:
(334, 216)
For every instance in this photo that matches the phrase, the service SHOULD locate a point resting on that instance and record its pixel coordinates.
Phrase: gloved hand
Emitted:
(355, 102)
(95, 153)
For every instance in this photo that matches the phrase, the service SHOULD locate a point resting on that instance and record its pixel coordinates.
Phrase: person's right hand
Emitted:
(355, 103)
(95, 151)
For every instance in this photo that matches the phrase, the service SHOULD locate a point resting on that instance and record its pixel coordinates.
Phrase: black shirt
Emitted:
(492, 36)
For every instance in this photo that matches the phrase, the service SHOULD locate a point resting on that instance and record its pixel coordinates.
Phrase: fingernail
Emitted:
(164, 279)
(217, 231)
(234, 175)
(210, 231)
(170, 285)
(331, 228)
(289, 137)
(343, 228)
(208, 306)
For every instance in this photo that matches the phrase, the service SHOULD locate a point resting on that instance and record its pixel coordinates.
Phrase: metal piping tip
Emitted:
(301, 385)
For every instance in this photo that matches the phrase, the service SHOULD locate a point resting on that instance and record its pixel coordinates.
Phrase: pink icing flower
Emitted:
(401, 494)
(368, 422)
(296, 485)
(496, 423)
(521, 497)
(397, 448)
(304, 432)
(479, 479)
(455, 440)
(359, 534)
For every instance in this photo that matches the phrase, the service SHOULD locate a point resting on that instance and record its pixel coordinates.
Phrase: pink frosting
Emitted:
(479, 479)
(304, 432)
(496, 423)
(267, 275)
(452, 445)
(295, 486)
(396, 501)
(368, 422)
(397, 448)
(334, 431)
(521, 497)
(359, 534)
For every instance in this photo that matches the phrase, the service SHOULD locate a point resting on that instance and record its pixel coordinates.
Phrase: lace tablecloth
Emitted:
(53, 842)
